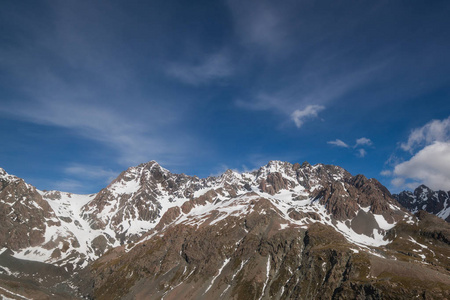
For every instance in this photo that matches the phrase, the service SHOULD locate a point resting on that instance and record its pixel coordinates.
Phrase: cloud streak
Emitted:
(261, 26)
(338, 143)
(212, 68)
(90, 172)
(92, 92)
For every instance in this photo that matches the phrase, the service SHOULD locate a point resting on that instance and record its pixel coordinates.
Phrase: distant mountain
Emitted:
(424, 198)
(284, 231)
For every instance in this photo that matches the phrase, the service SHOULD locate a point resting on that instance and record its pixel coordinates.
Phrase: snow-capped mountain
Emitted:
(424, 198)
(75, 229)
(223, 236)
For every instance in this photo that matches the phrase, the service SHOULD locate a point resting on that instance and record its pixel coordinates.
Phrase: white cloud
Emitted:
(300, 116)
(362, 152)
(360, 143)
(398, 182)
(386, 173)
(431, 166)
(363, 142)
(338, 143)
(214, 67)
(433, 131)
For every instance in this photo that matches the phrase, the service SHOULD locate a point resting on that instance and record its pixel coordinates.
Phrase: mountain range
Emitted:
(283, 231)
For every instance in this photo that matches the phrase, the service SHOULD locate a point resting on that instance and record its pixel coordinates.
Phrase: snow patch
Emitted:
(382, 223)
(220, 272)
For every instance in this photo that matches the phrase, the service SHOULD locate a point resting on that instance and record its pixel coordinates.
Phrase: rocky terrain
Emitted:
(424, 198)
(284, 231)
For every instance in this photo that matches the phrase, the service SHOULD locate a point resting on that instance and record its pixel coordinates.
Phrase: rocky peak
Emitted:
(272, 167)
(422, 192)
(144, 171)
(229, 176)
(6, 178)
(424, 198)
(149, 165)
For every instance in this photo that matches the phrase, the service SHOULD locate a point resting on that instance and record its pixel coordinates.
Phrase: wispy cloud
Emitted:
(386, 173)
(132, 138)
(261, 25)
(69, 185)
(282, 106)
(309, 112)
(90, 172)
(91, 91)
(211, 68)
(362, 152)
(309, 92)
(338, 143)
(398, 182)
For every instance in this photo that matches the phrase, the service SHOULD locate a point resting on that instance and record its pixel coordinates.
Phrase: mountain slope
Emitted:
(256, 255)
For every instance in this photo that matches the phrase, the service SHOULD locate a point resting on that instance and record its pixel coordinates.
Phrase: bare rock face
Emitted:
(24, 215)
(343, 199)
(424, 198)
(332, 197)
(274, 183)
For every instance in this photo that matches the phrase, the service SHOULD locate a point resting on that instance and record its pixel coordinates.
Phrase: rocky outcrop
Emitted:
(274, 183)
(24, 215)
(343, 199)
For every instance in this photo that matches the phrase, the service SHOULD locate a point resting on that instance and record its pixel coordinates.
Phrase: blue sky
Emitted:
(89, 88)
